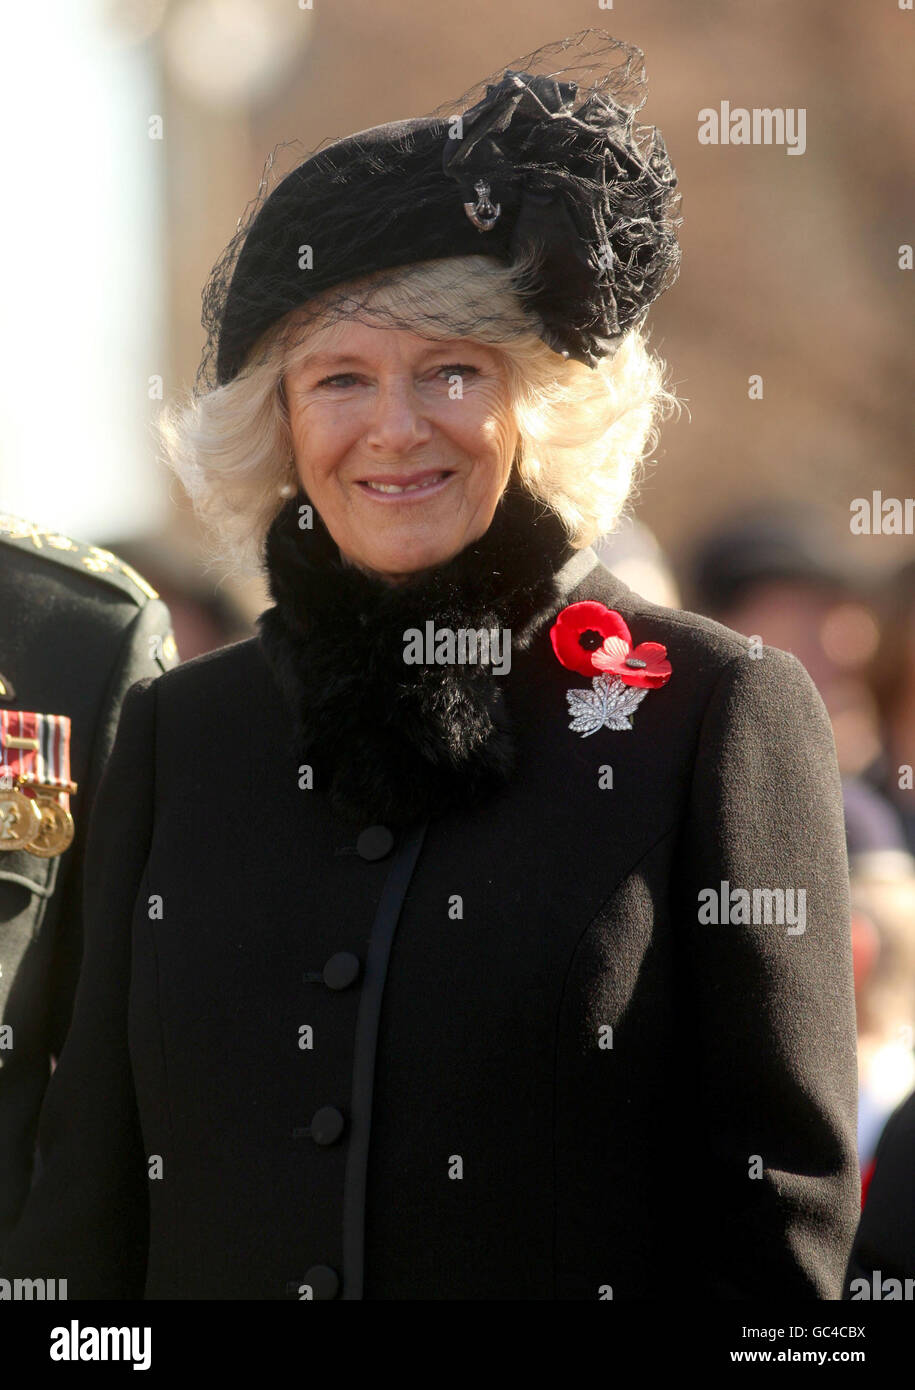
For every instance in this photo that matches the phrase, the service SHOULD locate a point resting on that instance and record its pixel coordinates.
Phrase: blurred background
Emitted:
(134, 134)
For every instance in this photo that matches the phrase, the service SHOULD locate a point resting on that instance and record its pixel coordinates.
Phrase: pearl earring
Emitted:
(289, 489)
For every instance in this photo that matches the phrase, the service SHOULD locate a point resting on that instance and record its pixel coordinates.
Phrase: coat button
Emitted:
(375, 842)
(324, 1281)
(341, 970)
(326, 1125)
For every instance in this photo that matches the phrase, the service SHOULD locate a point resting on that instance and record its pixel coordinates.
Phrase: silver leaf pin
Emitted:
(609, 704)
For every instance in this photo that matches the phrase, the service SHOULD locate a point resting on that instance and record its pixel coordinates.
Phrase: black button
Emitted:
(341, 970)
(326, 1125)
(324, 1281)
(375, 842)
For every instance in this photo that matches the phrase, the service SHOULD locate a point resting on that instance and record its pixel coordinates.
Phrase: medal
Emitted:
(55, 833)
(35, 783)
(20, 819)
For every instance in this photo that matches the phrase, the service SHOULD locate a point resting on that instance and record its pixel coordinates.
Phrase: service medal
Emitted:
(55, 833)
(35, 783)
(20, 819)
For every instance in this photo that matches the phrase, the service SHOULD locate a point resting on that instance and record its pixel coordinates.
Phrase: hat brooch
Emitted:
(484, 214)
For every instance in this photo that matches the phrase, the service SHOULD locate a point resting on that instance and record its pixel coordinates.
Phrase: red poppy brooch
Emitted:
(594, 641)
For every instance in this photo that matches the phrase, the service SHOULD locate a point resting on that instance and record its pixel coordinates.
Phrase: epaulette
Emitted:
(87, 559)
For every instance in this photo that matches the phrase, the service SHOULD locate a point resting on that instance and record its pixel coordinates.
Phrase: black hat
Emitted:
(547, 169)
(764, 545)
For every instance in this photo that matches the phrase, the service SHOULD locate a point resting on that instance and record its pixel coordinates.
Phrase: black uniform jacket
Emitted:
(499, 1058)
(884, 1248)
(77, 628)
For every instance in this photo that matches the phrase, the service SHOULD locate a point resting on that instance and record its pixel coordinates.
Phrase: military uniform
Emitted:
(78, 627)
(884, 1248)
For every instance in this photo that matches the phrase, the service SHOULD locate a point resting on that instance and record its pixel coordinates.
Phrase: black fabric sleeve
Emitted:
(39, 979)
(768, 1008)
(86, 1218)
(139, 658)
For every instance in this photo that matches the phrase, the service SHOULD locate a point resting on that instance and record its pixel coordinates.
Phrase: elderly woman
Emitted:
(479, 930)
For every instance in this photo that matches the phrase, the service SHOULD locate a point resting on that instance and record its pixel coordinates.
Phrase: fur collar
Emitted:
(393, 743)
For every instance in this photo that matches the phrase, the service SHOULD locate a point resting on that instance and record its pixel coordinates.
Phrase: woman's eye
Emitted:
(459, 369)
(345, 377)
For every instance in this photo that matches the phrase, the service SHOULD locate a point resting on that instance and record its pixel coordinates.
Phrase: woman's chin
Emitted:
(400, 561)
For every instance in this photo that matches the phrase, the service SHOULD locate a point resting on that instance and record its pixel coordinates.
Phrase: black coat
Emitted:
(884, 1248)
(460, 1127)
(76, 631)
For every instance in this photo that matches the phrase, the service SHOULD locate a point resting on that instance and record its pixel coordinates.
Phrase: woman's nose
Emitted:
(397, 421)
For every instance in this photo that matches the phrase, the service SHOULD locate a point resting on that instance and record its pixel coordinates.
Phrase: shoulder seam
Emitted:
(117, 574)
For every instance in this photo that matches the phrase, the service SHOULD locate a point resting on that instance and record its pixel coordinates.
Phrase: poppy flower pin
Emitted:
(594, 641)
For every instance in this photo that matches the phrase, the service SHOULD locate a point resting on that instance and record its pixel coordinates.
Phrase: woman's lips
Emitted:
(406, 487)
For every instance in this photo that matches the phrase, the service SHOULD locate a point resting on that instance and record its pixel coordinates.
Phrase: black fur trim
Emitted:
(393, 743)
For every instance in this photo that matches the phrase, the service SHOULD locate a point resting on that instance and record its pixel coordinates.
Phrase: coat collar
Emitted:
(390, 742)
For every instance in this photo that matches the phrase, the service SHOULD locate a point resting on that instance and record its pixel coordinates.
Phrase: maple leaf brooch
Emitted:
(594, 641)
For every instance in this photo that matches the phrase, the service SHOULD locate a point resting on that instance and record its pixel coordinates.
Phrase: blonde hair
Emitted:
(584, 433)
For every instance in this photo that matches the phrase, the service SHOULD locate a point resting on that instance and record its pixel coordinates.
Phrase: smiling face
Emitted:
(403, 463)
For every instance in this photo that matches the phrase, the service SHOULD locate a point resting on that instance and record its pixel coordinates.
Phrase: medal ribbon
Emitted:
(35, 748)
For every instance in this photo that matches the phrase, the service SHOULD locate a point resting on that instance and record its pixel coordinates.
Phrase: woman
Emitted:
(418, 965)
